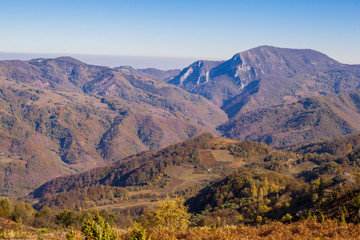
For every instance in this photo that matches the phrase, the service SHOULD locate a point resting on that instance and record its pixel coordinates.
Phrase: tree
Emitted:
(138, 233)
(321, 218)
(98, 229)
(23, 211)
(258, 219)
(287, 218)
(67, 218)
(170, 214)
(253, 189)
(6, 207)
(342, 218)
(44, 218)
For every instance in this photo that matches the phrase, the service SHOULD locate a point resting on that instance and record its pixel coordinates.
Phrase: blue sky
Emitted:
(177, 29)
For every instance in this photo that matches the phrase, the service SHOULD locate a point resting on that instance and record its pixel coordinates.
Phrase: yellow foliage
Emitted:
(239, 218)
(263, 209)
(253, 190)
(170, 214)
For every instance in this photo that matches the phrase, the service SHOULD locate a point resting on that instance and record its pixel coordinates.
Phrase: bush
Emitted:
(67, 218)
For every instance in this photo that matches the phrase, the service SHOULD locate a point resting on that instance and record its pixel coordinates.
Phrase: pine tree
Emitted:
(98, 229)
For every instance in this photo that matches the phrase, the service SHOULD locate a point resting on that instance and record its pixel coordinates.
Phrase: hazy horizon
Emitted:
(186, 29)
(162, 63)
(139, 62)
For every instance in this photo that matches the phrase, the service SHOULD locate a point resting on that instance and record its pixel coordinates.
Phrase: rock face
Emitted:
(267, 76)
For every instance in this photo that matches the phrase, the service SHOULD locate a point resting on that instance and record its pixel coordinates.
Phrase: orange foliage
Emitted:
(307, 229)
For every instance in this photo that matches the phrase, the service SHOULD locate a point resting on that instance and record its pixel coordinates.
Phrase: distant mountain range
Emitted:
(61, 116)
(279, 96)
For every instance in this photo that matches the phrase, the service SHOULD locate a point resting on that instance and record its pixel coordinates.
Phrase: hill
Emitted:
(153, 73)
(307, 120)
(317, 179)
(159, 74)
(267, 76)
(179, 168)
(322, 168)
(251, 192)
(60, 116)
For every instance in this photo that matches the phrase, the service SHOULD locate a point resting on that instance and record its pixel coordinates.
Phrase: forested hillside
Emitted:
(307, 120)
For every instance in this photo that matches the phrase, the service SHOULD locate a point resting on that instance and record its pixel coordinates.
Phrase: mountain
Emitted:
(159, 74)
(267, 76)
(307, 120)
(88, 116)
(60, 116)
(152, 72)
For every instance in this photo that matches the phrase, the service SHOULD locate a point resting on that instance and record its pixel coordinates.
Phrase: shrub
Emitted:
(71, 235)
(138, 233)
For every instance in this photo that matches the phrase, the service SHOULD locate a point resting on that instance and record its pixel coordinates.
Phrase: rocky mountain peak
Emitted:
(261, 77)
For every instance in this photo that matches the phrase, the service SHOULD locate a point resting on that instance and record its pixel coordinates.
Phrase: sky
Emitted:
(172, 34)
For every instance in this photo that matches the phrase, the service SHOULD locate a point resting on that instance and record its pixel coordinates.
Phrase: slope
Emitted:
(307, 120)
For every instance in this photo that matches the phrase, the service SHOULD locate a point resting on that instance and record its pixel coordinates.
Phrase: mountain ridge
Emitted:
(243, 82)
